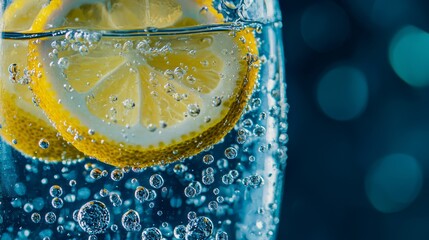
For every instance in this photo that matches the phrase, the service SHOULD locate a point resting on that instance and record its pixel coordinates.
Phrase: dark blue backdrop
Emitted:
(358, 77)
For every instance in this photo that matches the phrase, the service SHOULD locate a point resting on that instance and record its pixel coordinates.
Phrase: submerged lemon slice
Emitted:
(142, 100)
(24, 125)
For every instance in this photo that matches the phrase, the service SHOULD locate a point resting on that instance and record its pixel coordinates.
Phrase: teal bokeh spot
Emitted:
(409, 56)
(342, 93)
(394, 182)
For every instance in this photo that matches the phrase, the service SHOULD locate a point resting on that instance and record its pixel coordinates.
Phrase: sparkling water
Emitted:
(231, 190)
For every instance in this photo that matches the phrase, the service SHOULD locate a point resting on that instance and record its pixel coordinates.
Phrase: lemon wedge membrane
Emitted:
(24, 126)
(139, 101)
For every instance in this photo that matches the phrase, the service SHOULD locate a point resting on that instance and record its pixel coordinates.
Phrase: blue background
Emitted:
(358, 86)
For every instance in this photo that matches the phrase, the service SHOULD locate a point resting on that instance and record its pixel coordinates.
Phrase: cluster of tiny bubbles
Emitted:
(35, 217)
(156, 181)
(96, 173)
(115, 199)
(131, 221)
(180, 231)
(221, 235)
(151, 233)
(208, 176)
(193, 189)
(93, 217)
(116, 174)
(253, 181)
(50, 217)
(199, 228)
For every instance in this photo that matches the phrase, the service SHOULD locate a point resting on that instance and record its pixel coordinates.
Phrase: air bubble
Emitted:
(96, 173)
(259, 131)
(50, 217)
(152, 195)
(217, 101)
(221, 235)
(57, 202)
(199, 229)
(180, 232)
(208, 159)
(116, 175)
(131, 221)
(35, 217)
(151, 234)
(190, 192)
(115, 199)
(213, 205)
(254, 181)
(141, 193)
(179, 72)
(93, 217)
(230, 153)
(156, 181)
(192, 215)
(234, 173)
(114, 228)
(104, 192)
(63, 63)
(194, 110)
(180, 168)
(128, 104)
(227, 179)
(191, 79)
(28, 207)
(43, 143)
(56, 191)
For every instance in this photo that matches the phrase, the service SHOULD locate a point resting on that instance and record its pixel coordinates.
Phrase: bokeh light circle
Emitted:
(342, 93)
(394, 182)
(409, 55)
(324, 26)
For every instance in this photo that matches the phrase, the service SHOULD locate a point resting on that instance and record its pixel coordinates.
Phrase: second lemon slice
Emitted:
(23, 125)
(141, 101)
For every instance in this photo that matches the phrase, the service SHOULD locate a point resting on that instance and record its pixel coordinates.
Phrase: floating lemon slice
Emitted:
(142, 100)
(24, 125)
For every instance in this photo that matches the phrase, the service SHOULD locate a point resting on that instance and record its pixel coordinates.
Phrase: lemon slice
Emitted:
(143, 100)
(24, 126)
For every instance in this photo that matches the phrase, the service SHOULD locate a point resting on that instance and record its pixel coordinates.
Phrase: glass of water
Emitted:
(132, 119)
